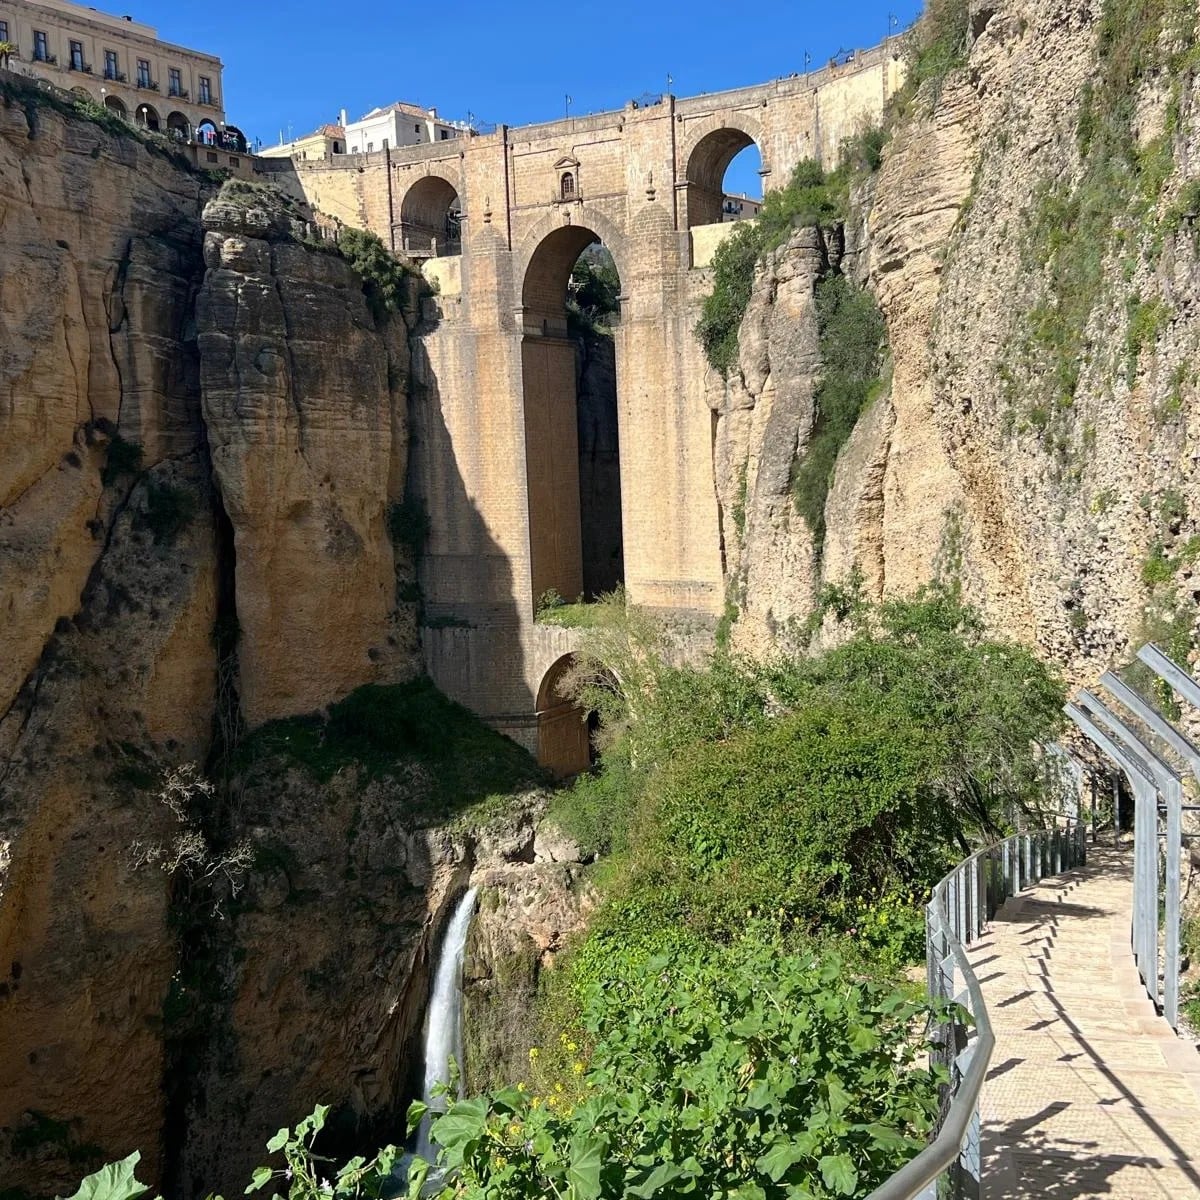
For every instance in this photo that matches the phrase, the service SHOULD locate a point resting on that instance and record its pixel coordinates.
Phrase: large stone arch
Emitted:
(430, 214)
(547, 266)
(573, 529)
(147, 116)
(706, 154)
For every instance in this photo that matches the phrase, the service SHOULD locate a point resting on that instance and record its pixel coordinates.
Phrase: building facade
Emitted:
(398, 125)
(320, 144)
(117, 62)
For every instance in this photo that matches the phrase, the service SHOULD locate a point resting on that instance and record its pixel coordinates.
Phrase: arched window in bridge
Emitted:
(568, 185)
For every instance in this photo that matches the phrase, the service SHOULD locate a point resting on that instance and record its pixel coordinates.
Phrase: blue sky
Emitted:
(294, 65)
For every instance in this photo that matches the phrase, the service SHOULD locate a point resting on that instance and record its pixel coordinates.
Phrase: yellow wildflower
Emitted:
(533, 1053)
(571, 1047)
(578, 1068)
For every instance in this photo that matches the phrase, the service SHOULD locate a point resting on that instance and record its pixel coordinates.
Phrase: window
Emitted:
(110, 64)
(568, 185)
(205, 90)
(370, 147)
(337, 147)
(385, 143)
(445, 135)
(353, 149)
(41, 48)
(76, 56)
(3, 31)
(143, 72)
(174, 81)
(416, 129)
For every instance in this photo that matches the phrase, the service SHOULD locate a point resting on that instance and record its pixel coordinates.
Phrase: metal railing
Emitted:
(950, 1167)
(1138, 750)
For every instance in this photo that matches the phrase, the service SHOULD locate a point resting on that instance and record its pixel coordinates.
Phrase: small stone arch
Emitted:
(707, 153)
(431, 217)
(178, 126)
(564, 742)
(117, 105)
(206, 131)
(148, 118)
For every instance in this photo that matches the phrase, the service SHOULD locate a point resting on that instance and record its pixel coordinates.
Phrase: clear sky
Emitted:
(292, 66)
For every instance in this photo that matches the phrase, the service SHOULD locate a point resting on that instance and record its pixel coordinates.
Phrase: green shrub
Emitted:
(169, 510)
(852, 332)
(408, 524)
(124, 458)
(937, 44)
(386, 278)
(747, 1072)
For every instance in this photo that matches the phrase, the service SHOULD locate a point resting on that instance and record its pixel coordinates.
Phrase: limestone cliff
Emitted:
(1036, 438)
(187, 477)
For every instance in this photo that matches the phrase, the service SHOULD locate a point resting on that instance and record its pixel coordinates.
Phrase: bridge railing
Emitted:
(951, 1166)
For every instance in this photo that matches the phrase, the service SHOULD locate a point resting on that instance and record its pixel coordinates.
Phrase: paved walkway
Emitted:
(1089, 1093)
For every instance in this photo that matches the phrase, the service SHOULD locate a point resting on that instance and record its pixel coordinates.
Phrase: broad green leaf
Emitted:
(779, 1160)
(115, 1181)
(837, 1170)
(839, 1098)
(463, 1121)
(586, 1159)
(663, 1174)
(261, 1177)
(416, 1114)
(279, 1140)
(417, 1173)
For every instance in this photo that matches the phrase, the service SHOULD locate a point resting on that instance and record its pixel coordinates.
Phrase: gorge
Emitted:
(260, 493)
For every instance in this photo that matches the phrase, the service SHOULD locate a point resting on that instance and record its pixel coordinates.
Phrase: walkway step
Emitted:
(1090, 1093)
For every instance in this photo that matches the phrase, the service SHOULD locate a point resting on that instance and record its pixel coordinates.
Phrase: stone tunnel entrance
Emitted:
(569, 369)
(564, 729)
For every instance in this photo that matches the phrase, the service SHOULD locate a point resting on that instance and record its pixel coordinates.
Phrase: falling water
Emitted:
(443, 1031)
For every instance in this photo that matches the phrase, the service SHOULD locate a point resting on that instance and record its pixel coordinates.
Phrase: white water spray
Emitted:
(443, 1030)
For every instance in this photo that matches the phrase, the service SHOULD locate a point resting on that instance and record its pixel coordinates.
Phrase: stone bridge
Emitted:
(501, 220)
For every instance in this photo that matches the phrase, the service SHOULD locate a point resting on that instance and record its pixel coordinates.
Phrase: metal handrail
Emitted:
(957, 913)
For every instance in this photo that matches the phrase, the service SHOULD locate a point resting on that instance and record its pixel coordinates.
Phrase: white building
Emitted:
(398, 124)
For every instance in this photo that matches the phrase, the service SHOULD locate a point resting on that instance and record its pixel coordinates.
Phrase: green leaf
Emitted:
(115, 1181)
(261, 1177)
(417, 1172)
(279, 1140)
(462, 1122)
(780, 1159)
(839, 1098)
(416, 1114)
(583, 1172)
(663, 1174)
(837, 1170)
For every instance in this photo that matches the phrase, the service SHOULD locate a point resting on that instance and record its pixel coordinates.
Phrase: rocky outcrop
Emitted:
(1069, 519)
(305, 404)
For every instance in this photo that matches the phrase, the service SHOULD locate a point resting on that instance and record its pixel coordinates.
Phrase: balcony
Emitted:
(82, 67)
(115, 75)
(209, 101)
(51, 60)
(147, 85)
(178, 93)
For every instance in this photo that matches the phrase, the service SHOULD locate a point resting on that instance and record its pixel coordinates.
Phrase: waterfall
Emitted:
(443, 1030)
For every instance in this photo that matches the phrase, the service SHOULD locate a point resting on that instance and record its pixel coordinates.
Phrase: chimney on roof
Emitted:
(343, 122)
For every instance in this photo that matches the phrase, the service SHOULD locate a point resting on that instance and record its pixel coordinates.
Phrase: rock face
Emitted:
(1068, 516)
(306, 410)
(193, 502)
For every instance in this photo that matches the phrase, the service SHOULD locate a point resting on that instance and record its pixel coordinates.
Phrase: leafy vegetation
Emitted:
(936, 45)
(593, 291)
(388, 281)
(170, 509)
(852, 333)
(811, 197)
(397, 731)
(124, 458)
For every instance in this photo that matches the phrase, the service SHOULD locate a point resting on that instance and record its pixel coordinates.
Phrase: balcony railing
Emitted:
(209, 101)
(115, 76)
(148, 85)
(46, 57)
(180, 93)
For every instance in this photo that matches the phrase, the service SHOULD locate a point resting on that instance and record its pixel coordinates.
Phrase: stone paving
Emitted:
(1090, 1093)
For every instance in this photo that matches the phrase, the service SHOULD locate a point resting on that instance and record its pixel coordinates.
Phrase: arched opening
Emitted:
(568, 185)
(178, 126)
(564, 729)
(147, 117)
(206, 132)
(571, 315)
(431, 218)
(234, 139)
(724, 163)
(117, 105)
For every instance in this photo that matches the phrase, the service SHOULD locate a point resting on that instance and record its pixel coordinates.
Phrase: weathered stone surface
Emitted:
(300, 399)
